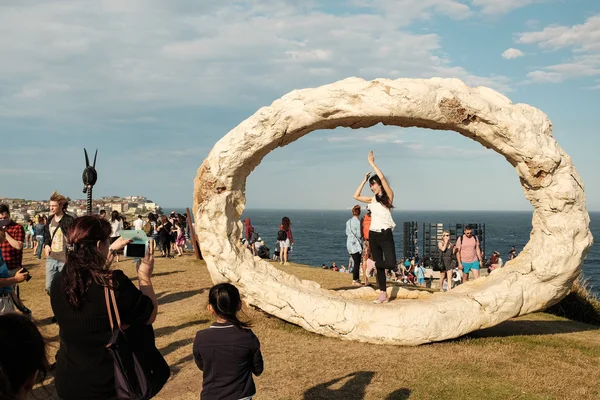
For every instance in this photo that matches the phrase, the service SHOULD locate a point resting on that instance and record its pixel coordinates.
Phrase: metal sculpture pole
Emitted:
(90, 176)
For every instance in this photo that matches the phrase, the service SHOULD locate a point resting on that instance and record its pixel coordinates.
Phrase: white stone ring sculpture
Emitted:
(540, 276)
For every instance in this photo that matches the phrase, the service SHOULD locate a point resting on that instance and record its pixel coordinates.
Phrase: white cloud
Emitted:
(582, 39)
(498, 7)
(86, 57)
(511, 53)
(40, 89)
(545, 77)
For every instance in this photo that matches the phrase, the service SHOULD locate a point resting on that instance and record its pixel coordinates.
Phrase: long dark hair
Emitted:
(22, 354)
(382, 198)
(114, 216)
(85, 264)
(225, 300)
(285, 222)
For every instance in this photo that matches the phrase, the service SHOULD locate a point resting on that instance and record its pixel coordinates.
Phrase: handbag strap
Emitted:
(109, 292)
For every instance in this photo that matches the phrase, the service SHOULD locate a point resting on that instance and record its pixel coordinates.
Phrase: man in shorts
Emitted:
(468, 254)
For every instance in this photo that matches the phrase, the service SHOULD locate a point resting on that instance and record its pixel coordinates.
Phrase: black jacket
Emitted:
(228, 356)
(64, 224)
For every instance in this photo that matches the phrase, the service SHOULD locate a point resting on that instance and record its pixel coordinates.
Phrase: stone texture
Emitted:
(540, 276)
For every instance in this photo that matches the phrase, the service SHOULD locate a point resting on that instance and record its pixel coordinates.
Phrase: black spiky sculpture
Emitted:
(89, 176)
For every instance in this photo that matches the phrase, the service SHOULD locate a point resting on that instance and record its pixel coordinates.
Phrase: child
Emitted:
(370, 267)
(276, 252)
(421, 275)
(227, 352)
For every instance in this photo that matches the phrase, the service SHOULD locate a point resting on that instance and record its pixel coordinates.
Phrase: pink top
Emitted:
(370, 265)
(468, 249)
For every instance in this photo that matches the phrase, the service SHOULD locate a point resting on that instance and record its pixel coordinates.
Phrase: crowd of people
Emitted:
(283, 245)
(94, 305)
(82, 286)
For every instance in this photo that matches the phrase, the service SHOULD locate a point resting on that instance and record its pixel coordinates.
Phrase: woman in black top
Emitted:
(228, 351)
(84, 367)
(164, 236)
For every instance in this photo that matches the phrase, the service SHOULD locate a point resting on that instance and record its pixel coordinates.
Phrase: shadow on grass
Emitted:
(353, 388)
(159, 274)
(400, 394)
(517, 328)
(176, 345)
(177, 296)
(43, 321)
(167, 330)
(175, 368)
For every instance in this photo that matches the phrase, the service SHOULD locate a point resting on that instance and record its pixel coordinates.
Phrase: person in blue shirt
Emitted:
(420, 271)
(6, 286)
(354, 243)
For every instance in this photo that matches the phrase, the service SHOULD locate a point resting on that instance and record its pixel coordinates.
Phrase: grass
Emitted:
(539, 356)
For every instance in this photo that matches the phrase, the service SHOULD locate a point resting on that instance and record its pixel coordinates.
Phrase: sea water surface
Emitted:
(320, 236)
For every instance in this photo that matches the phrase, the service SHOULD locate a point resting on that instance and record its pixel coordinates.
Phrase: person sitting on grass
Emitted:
(228, 352)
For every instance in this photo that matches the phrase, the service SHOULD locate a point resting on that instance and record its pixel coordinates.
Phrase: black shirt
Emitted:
(228, 356)
(84, 367)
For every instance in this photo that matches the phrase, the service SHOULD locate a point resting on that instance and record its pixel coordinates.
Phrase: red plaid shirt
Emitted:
(12, 256)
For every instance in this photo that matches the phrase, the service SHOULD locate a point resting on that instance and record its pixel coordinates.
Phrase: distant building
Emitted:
(116, 207)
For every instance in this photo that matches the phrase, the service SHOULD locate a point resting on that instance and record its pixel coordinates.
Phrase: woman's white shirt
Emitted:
(381, 216)
(115, 228)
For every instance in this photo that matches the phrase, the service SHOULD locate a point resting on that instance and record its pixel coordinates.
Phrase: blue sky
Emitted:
(155, 84)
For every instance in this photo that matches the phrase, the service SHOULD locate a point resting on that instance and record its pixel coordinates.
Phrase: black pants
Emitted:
(384, 254)
(165, 244)
(356, 257)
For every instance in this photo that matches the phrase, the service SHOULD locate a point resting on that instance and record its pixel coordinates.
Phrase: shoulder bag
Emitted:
(133, 380)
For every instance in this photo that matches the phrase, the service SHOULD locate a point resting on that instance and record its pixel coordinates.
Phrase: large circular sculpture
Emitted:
(540, 276)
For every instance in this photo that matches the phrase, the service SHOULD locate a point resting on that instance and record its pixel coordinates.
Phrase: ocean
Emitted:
(320, 236)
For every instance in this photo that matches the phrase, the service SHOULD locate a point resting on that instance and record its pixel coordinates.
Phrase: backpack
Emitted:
(282, 235)
(147, 228)
(254, 237)
(461, 239)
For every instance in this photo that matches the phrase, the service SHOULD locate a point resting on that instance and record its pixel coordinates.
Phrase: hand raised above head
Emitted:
(371, 157)
(367, 175)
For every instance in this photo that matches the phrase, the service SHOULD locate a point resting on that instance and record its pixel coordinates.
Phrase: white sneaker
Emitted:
(381, 299)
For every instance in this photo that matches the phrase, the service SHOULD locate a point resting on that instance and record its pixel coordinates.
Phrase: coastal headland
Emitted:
(23, 210)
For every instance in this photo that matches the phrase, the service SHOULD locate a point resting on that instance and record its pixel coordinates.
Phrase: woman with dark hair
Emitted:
(381, 238)
(164, 236)
(39, 237)
(22, 356)
(228, 351)
(116, 225)
(153, 232)
(84, 366)
(285, 238)
(354, 243)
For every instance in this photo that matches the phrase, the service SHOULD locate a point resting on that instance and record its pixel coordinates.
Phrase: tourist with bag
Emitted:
(447, 260)
(96, 306)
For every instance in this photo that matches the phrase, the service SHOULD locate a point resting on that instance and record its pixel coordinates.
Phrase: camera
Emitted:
(26, 271)
(138, 247)
(135, 250)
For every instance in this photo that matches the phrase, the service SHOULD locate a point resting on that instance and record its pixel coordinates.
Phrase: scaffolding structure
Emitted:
(428, 250)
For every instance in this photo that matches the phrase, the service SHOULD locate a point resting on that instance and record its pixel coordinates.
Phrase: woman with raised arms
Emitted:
(381, 238)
